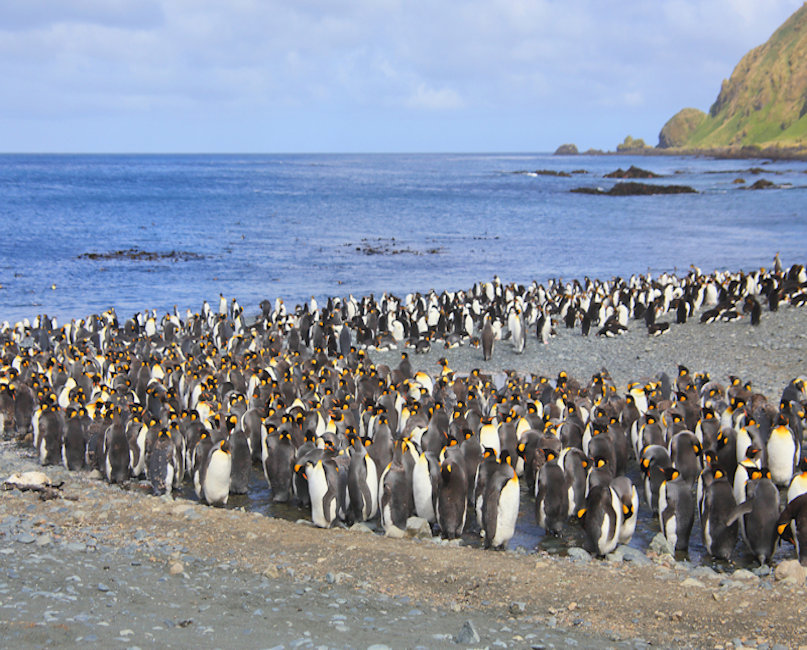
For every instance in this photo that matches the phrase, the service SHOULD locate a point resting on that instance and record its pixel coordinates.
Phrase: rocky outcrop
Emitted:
(566, 150)
(636, 189)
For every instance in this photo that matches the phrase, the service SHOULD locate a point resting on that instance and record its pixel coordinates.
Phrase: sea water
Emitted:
(264, 226)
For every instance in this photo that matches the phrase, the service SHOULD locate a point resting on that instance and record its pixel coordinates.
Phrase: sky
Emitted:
(271, 76)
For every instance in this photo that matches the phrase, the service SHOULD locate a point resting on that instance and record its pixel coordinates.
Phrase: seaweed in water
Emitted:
(140, 255)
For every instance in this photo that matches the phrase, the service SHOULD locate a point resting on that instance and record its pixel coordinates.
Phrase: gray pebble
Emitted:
(467, 634)
(26, 538)
(102, 587)
(578, 554)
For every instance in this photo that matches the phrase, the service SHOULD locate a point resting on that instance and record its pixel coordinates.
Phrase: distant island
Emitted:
(760, 111)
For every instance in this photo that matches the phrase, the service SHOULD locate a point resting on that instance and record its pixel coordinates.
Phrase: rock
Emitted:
(418, 527)
(395, 532)
(26, 538)
(566, 150)
(271, 572)
(517, 608)
(661, 546)
(743, 574)
(360, 528)
(632, 172)
(791, 571)
(176, 568)
(578, 554)
(633, 188)
(693, 582)
(761, 184)
(468, 634)
(630, 554)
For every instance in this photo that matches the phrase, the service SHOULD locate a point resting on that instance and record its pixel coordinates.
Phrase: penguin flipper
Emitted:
(741, 510)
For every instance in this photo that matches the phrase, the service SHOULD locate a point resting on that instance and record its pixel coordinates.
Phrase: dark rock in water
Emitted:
(632, 172)
(636, 189)
(761, 184)
(738, 181)
(566, 150)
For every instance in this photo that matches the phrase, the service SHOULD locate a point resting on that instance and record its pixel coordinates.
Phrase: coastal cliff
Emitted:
(762, 105)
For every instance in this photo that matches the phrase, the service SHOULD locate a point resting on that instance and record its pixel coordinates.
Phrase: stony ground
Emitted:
(119, 567)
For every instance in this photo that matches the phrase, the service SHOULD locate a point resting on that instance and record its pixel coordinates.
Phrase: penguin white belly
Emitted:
(422, 490)
(372, 486)
(798, 486)
(321, 515)
(740, 479)
(781, 456)
(507, 513)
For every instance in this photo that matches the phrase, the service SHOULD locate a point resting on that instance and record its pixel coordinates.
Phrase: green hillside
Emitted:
(763, 103)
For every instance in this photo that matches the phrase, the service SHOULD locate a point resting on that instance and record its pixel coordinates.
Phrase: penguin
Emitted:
(500, 507)
(395, 498)
(116, 454)
(575, 467)
(551, 497)
(719, 536)
(783, 452)
(792, 525)
(241, 461)
(74, 441)
(161, 465)
(362, 483)
(452, 502)
(798, 484)
(629, 496)
(323, 491)
(425, 481)
(48, 442)
(602, 519)
(758, 515)
(654, 459)
(676, 509)
(685, 451)
(517, 331)
(215, 475)
(488, 339)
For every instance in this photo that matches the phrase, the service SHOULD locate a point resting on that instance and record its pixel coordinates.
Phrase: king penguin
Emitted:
(452, 497)
(676, 509)
(161, 466)
(500, 507)
(215, 475)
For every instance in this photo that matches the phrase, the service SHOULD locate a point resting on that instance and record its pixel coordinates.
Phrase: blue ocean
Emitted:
(292, 226)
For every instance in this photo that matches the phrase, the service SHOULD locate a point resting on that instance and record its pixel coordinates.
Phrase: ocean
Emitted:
(264, 226)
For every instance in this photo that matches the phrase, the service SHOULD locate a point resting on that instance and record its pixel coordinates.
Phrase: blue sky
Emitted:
(362, 76)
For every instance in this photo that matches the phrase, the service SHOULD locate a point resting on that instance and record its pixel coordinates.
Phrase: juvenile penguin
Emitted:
(719, 536)
(395, 499)
(241, 464)
(74, 441)
(277, 458)
(116, 454)
(452, 501)
(676, 509)
(161, 466)
(551, 497)
(758, 516)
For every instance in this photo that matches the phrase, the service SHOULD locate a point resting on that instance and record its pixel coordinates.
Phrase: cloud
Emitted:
(433, 99)
(535, 60)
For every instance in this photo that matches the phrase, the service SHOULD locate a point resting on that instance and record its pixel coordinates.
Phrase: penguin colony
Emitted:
(205, 397)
